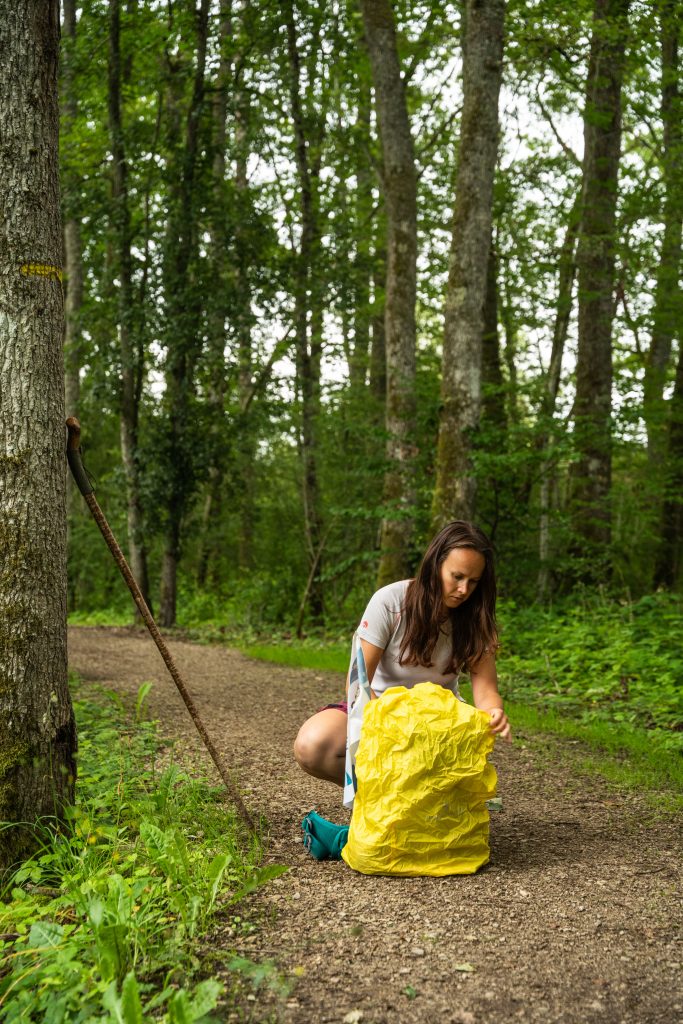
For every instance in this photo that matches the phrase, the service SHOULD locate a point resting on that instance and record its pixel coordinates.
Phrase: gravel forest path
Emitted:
(578, 918)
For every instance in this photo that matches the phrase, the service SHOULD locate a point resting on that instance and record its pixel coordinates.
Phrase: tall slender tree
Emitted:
(183, 332)
(220, 300)
(308, 155)
(668, 306)
(669, 562)
(595, 273)
(37, 731)
(378, 348)
(399, 188)
(566, 279)
(455, 492)
(129, 351)
(365, 178)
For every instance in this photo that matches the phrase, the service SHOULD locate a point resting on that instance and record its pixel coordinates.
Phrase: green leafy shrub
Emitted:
(599, 659)
(104, 923)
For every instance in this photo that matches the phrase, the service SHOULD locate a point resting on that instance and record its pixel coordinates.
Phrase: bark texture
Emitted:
(455, 491)
(595, 269)
(37, 731)
(399, 185)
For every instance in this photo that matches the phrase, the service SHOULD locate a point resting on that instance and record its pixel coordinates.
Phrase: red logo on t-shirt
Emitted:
(365, 623)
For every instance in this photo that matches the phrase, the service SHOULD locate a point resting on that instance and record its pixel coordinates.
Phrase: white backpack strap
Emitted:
(359, 695)
(358, 673)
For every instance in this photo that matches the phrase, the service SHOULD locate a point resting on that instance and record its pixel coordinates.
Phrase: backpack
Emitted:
(423, 780)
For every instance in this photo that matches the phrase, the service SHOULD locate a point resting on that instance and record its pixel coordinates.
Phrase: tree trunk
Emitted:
(510, 352)
(493, 402)
(358, 368)
(668, 307)
(493, 417)
(73, 343)
(219, 303)
(669, 563)
(399, 186)
(37, 730)
(455, 491)
(378, 353)
(595, 266)
(308, 352)
(128, 396)
(182, 333)
(567, 274)
(246, 440)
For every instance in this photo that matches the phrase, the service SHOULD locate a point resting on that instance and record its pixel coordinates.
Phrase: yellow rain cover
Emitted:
(423, 783)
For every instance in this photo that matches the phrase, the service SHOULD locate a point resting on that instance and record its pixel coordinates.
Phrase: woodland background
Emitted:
(273, 425)
(335, 274)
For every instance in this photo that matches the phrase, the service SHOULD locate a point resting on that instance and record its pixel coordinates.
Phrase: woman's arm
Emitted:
(373, 656)
(486, 697)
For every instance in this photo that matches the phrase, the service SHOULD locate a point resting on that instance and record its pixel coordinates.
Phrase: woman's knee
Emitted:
(309, 747)
(314, 745)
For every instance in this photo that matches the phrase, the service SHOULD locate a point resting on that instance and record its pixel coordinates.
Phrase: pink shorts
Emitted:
(341, 705)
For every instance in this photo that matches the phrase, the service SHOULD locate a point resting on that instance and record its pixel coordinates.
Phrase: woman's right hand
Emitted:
(500, 725)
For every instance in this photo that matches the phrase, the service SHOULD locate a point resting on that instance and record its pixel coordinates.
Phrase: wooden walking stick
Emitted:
(73, 454)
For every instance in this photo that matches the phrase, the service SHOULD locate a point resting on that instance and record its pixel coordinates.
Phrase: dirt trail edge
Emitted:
(577, 919)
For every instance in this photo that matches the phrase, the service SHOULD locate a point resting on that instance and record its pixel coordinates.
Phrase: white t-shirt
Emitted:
(383, 625)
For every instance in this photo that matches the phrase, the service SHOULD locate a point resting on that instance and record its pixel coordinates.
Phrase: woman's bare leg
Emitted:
(320, 747)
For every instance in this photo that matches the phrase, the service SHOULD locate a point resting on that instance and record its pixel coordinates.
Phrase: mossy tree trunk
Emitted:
(399, 187)
(37, 731)
(592, 473)
(454, 492)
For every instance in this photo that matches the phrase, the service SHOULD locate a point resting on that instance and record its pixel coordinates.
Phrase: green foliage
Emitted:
(243, 562)
(104, 923)
(599, 659)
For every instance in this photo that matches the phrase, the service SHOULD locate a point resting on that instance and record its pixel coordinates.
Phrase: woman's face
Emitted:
(461, 570)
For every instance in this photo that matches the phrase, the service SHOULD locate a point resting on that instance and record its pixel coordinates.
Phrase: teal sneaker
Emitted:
(322, 838)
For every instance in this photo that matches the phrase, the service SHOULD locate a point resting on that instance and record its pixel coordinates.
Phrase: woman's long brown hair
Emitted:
(473, 622)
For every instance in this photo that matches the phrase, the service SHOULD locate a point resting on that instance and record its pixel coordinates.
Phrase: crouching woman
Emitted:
(433, 627)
